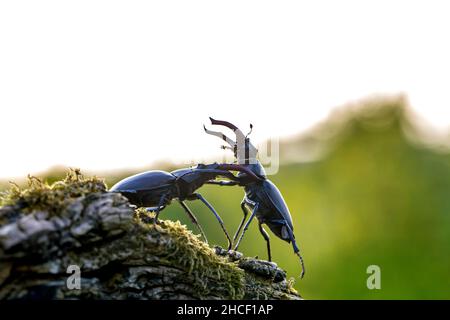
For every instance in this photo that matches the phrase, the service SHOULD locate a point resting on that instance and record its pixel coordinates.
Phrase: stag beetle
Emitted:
(156, 189)
(261, 195)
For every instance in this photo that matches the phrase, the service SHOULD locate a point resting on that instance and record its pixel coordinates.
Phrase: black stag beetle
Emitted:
(261, 195)
(156, 189)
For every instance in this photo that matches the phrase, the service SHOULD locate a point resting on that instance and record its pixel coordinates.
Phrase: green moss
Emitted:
(40, 195)
(192, 254)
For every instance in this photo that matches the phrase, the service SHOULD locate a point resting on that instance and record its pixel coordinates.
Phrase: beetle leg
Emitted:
(200, 197)
(153, 209)
(193, 219)
(245, 211)
(255, 209)
(160, 207)
(266, 237)
(296, 250)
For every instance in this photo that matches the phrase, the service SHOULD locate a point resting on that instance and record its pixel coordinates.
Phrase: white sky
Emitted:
(111, 84)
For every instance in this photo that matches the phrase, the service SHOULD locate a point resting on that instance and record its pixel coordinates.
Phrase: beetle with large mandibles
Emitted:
(156, 189)
(261, 195)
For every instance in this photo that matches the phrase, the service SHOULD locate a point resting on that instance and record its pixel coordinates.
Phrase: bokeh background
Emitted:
(376, 193)
(356, 91)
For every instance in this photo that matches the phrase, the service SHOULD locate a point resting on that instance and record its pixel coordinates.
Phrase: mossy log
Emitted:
(120, 253)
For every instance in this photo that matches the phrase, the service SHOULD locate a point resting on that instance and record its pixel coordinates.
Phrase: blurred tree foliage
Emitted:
(375, 196)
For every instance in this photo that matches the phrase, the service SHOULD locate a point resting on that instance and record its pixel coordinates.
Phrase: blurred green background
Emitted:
(372, 193)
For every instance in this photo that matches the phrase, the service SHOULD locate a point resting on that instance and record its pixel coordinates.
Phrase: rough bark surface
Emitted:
(121, 255)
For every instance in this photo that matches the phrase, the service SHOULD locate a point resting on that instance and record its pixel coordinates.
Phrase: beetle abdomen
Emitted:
(272, 209)
(148, 198)
(277, 202)
(144, 181)
(146, 189)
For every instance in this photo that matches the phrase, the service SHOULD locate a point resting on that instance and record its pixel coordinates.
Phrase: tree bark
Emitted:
(120, 254)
